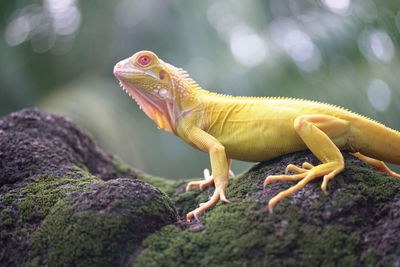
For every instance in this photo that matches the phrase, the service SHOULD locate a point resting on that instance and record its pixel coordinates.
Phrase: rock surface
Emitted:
(356, 224)
(57, 207)
(65, 202)
(32, 143)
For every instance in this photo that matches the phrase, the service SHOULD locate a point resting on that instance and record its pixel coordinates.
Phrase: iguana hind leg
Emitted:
(317, 132)
(377, 164)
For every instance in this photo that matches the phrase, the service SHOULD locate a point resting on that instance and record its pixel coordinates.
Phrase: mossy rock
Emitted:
(356, 224)
(102, 226)
(57, 206)
(25, 205)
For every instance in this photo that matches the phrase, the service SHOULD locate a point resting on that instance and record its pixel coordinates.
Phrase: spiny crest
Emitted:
(183, 73)
(186, 77)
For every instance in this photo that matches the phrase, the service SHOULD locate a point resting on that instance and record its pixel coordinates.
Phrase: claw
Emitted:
(266, 181)
(270, 208)
(326, 179)
(192, 184)
(223, 198)
(191, 215)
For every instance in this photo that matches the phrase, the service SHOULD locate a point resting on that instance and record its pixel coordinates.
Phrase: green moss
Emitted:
(8, 199)
(40, 196)
(158, 206)
(6, 218)
(330, 245)
(85, 239)
(24, 208)
(120, 166)
(370, 257)
(188, 201)
(379, 187)
(238, 234)
(242, 234)
(92, 238)
(243, 184)
(79, 172)
(172, 247)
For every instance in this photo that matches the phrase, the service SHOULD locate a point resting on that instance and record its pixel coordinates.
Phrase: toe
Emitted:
(267, 181)
(307, 165)
(207, 174)
(294, 168)
(192, 184)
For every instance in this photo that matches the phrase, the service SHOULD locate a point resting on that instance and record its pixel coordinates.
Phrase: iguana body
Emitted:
(253, 129)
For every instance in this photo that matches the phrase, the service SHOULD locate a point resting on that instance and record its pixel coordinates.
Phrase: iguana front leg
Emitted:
(316, 132)
(219, 168)
(208, 179)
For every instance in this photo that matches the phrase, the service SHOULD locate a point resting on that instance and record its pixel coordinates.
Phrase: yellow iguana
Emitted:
(253, 129)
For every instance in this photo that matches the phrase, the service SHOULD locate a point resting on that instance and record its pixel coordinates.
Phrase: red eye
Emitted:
(144, 60)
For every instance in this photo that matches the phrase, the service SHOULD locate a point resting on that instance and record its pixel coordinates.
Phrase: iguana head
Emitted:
(149, 81)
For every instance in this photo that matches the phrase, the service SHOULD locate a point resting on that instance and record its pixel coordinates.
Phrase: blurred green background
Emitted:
(58, 55)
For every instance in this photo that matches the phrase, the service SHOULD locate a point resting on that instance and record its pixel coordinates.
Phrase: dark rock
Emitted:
(33, 143)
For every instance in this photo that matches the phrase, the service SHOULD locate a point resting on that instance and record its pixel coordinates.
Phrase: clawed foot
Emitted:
(305, 174)
(208, 180)
(219, 194)
(221, 183)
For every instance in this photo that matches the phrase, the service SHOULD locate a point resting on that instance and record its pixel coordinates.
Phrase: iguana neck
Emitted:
(185, 94)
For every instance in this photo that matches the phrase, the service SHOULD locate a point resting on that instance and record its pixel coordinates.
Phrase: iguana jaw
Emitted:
(156, 108)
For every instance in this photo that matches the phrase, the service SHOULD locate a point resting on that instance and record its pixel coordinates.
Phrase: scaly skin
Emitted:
(253, 129)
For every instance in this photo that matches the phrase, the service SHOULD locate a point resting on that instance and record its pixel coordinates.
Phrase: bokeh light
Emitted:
(44, 25)
(379, 95)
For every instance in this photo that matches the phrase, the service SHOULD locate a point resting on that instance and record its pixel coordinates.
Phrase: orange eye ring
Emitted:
(144, 60)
